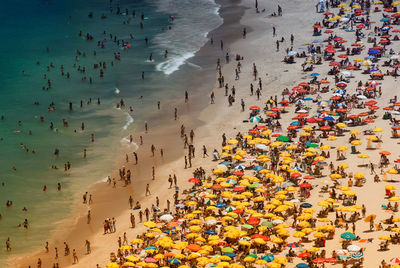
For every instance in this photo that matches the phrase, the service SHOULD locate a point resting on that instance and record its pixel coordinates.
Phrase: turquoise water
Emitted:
(36, 34)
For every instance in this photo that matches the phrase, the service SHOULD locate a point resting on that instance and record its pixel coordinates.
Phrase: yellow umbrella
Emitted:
(325, 147)
(359, 175)
(341, 125)
(281, 260)
(390, 187)
(233, 142)
(377, 129)
(342, 148)
(392, 171)
(335, 176)
(150, 224)
(332, 138)
(344, 165)
(356, 142)
(385, 237)
(299, 234)
(355, 132)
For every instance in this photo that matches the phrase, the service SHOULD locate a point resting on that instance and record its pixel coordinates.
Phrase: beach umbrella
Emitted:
(348, 236)
(268, 258)
(174, 261)
(149, 224)
(166, 217)
(302, 265)
(395, 260)
(314, 74)
(353, 248)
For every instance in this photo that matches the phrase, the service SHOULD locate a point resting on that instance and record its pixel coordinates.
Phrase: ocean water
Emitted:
(38, 37)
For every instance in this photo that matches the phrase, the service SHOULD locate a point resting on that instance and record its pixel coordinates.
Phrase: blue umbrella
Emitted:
(384, 19)
(174, 261)
(150, 247)
(170, 232)
(306, 205)
(258, 168)
(240, 167)
(314, 74)
(231, 181)
(226, 163)
(220, 205)
(295, 123)
(373, 52)
(212, 232)
(255, 119)
(357, 255)
(230, 254)
(180, 205)
(308, 99)
(329, 118)
(268, 257)
(302, 265)
(318, 41)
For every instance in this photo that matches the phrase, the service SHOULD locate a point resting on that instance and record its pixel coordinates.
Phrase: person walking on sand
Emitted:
(148, 189)
(75, 256)
(87, 245)
(204, 151)
(170, 181)
(136, 157)
(186, 96)
(153, 172)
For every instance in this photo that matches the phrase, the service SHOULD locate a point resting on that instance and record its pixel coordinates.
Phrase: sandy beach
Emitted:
(210, 121)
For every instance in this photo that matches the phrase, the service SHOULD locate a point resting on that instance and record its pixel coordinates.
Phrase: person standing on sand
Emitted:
(133, 224)
(170, 181)
(130, 202)
(148, 189)
(136, 157)
(204, 151)
(39, 263)
(153, 172)
(8, 244)
(89, 217)
(186, 96)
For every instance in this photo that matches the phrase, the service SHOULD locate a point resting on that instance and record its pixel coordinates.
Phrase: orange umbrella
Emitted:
(385, 153)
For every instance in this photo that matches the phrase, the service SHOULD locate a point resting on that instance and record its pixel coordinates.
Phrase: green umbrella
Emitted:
(254, 185)
(283, 138)
(267, 223)
(313, 145)
(348, 236)
(227, 250)
(252, 255)
(248, 226)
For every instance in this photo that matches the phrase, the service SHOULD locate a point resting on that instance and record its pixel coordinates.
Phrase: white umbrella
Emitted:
(302, 111)
(166, 217)
(353, 248)
(211, 222)
(262, 146)
(277, 221)
(361, 97)
(222, 167)
(346, 73)
(292, 53)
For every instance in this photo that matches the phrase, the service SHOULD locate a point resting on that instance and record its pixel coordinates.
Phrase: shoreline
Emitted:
(74, 227)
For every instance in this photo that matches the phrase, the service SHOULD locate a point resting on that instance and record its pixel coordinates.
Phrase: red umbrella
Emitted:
(328, 31)
(303, 84)
(253, 131)
(254, 108)
(309, 177)
(334, 63)
(396, 128)
(194, 180)
(253, 221)
(337, 38)
(331, 260)
(318, 260)
(334, 98)
(311, 120)
(292, 127)
(396, 104)
(238, 173)
(353, 116)
(396, 30)
(328, 13)
(360, 26)
(369, 120)
(317, 26)
(351, 67)
(325, 128)
(272, 115)
(295, 175)
(262, 128)
(305, 185)
(304, 255)
(341, 110)
(284, 102)
(355, 45)
(370, 88)
(276, 109)
(341, 84)
(239, 189)
(373, 107)
(330, 50)
(238, 211)
(388, 108)
(371, 102)
(342, 56)
(363, 114)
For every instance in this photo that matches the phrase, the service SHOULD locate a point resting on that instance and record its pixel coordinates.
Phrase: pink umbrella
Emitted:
(151, 260)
